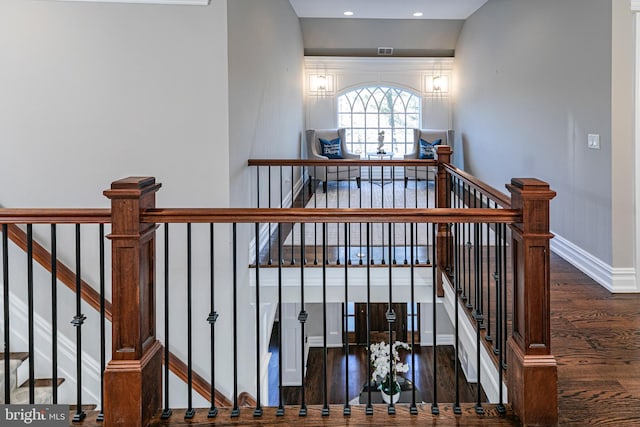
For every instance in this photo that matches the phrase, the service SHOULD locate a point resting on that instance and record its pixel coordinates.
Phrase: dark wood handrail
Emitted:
(342, 162)
(89, 295)
(497, 196)
(55, 216)
(330, 215)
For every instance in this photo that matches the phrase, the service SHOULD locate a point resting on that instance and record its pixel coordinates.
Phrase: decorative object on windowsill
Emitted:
(381, 142)
(386, 368)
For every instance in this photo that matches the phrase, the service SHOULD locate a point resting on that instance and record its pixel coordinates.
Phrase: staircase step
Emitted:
(43, 382)
(42, 391)
(21, 356)
(15, 361)
(85, 408)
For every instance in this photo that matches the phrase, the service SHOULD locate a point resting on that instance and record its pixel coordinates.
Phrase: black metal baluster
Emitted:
(371, 261)
(338, 225)
(347, 229)
(7, 323)
(280, 410)
(235, 412)
(392, 237)
(361, 255)
(488, 336)
(258, 410)
(499, 306)
(32, 354)
(456, 406)
(212, 318)
(293, 229)
(190, 412)
(54, 324)
(315, 227)
(347, 407)
(469, 246)
(505, 301)
(404, 205)
(478, 311)
(413, 409)
(302, 317)
(369, 408)
(415, 190)
(325, 393)
(166, 412)
(434, 406)
(391, 318)
(103, 338)
(383, 262)
(77, 321)
(280, 254)
(270, 262)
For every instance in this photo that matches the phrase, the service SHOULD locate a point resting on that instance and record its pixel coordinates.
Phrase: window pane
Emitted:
(368, 110)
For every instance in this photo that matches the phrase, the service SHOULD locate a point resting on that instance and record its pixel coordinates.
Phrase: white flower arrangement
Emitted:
(380, 364)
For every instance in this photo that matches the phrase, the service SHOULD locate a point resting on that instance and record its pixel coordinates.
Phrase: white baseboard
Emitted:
(318, 341)
(615, 280)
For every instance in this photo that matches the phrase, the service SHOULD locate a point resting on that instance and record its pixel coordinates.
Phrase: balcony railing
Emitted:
(490, 255)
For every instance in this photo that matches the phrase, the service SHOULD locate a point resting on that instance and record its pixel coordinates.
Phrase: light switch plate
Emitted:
(593, 141)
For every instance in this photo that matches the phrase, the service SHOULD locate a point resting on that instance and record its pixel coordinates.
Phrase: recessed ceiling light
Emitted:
(348, 13)
(417, 14)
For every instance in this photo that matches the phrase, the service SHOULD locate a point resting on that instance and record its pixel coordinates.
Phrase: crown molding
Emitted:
(635, 5)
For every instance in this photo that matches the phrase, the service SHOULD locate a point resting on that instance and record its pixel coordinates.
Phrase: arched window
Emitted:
(366, 111)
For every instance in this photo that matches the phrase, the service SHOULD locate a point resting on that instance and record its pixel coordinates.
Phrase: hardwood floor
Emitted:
(596, 341)
(357, 374)
(595, 336)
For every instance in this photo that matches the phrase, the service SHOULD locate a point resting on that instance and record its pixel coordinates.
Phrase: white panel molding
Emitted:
(635, 5)
(616, 280)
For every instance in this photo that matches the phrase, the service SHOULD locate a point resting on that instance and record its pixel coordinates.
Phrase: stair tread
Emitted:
(21, 356)
(85, 408)
(43, 382)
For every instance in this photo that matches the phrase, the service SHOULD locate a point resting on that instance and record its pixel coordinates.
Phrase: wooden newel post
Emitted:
(133, 378)
(444, 238)
(532, 371)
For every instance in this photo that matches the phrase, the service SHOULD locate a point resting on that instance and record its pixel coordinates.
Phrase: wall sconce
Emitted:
(440, 84)
(321, 83)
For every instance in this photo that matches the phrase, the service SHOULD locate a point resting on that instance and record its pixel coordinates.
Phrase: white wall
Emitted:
(534, 79)
(345, 73)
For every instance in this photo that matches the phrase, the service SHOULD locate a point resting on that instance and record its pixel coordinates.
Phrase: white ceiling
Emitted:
(386, 9)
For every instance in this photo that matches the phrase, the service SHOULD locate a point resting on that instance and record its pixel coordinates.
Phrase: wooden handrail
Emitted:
(342, 162)
(90, 296)
(55, 216)
(489, 191)
(330, 215)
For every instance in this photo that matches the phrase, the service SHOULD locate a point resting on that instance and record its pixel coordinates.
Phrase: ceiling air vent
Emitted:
(385, 51)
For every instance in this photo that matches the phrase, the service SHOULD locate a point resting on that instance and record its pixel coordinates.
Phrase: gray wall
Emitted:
(534, 78)
(93, 92)
(266, 62)
(362, 37)
(265, 121)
